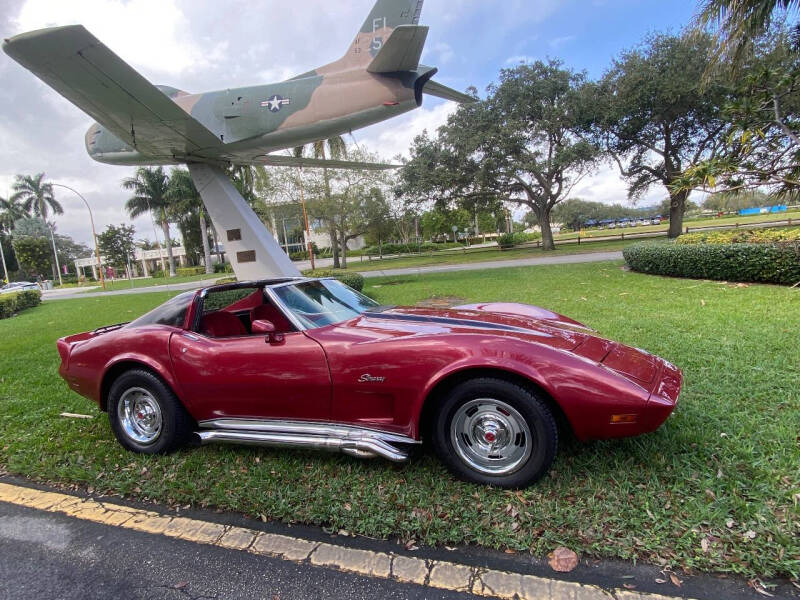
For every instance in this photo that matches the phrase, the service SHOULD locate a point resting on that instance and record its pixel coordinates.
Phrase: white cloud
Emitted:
(395, 137)
(519, 58)
(608, 187)
(153, 34)
(558, 42)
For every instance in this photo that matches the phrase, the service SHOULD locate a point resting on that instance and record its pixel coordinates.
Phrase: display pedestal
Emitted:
(251, 249)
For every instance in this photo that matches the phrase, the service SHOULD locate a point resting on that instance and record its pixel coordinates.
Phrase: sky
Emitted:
(203, 45)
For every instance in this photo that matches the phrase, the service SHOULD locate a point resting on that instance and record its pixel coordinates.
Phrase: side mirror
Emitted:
(267, 328)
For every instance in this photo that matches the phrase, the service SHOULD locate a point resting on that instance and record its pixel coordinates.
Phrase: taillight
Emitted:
(63, 350)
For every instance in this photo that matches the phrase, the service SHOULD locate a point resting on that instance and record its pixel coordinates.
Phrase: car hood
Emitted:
(406, 321)
(524, 322)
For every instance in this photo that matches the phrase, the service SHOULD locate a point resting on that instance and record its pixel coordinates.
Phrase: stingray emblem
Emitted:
(367, 378)
(275, 103)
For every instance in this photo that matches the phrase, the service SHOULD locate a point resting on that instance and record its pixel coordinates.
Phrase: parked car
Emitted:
(18, 286)
(311, 363)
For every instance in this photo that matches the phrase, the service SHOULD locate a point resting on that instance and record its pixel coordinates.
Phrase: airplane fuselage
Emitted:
(254, 121)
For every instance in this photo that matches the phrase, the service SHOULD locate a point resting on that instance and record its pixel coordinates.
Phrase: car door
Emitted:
(249, 377)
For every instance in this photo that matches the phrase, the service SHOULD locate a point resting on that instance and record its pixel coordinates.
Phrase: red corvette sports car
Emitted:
(311, 363)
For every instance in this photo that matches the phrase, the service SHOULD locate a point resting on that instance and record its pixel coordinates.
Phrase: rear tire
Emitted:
(145, 415)
(493, 432)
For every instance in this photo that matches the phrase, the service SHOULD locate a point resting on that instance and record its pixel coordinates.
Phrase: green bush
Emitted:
(223, 268)
(759, 263)
(409, 248)
(11, 304)
(354, 280)
(742, 236)
(158, 274)
(189, 271)
(509, 240)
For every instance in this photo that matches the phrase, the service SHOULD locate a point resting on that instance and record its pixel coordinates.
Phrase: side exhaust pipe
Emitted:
(361, 443)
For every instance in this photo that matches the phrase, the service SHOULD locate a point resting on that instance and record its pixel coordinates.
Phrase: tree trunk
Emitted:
(168, 244)
(206, 247)
(335, 247)
(343, 254)
(677, 206)
(547, 232)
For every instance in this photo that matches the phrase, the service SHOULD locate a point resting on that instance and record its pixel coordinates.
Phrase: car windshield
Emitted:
(172, 312)
(323, 302)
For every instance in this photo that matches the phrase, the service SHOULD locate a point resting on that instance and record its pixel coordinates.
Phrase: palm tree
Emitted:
(36, 196)
(150, 187)
(336, 149)
(740, 21)
(185, 198)
(10, 211)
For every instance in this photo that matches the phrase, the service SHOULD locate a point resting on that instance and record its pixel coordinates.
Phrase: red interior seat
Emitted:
(267, 312)
(222, 324)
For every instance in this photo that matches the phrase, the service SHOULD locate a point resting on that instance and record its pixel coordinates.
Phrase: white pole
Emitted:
(55, 254)
(3, 256)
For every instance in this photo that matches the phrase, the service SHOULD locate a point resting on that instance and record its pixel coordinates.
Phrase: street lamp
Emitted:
(94, 233)
(55, 252)
(3, 256)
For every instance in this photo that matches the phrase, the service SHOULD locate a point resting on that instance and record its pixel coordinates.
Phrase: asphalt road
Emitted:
(480, 266)
(45, 555)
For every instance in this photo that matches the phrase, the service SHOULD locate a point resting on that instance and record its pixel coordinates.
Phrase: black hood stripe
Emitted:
(450, 321)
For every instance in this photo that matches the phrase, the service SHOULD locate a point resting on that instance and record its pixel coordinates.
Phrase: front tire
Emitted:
(493, 432)
(145, 415)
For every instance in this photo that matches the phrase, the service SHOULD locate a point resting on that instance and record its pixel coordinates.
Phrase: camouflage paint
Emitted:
(332, 100)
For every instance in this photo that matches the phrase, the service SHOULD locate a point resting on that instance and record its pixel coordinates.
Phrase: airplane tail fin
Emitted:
(383, 21)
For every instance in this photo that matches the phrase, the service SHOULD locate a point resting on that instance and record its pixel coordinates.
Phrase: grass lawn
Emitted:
(481, 255)
(124, 284)
(724, 469)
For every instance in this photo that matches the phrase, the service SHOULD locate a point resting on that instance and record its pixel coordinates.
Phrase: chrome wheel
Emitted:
(140, 415)
(491, 436)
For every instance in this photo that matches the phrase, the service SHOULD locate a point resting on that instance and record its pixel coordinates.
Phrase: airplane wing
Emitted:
(442, 91)
(402, 50)
(83, 70)
(278, 160)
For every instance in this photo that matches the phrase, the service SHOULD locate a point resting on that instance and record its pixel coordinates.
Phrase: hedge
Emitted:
(742, 236)
(354, 280)
(409, 248)
(189, 271)
(758, 263)
(509, 240)
(10, 304)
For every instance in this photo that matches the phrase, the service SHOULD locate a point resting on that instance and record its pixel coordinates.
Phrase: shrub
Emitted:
(354, 280)
(409, 248)
(11, 304)
(509, 240)
(189, 271)
(742, 236)
(223, 268)
(759, 263)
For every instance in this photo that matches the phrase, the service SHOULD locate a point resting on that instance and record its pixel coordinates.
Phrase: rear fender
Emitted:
(133, 360)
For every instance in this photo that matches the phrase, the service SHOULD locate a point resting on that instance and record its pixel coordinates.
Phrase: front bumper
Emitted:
(663, 397)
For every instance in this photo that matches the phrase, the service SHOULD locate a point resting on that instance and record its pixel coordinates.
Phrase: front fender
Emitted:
(586, 392)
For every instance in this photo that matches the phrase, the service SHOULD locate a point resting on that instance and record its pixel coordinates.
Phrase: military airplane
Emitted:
(139, 123)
